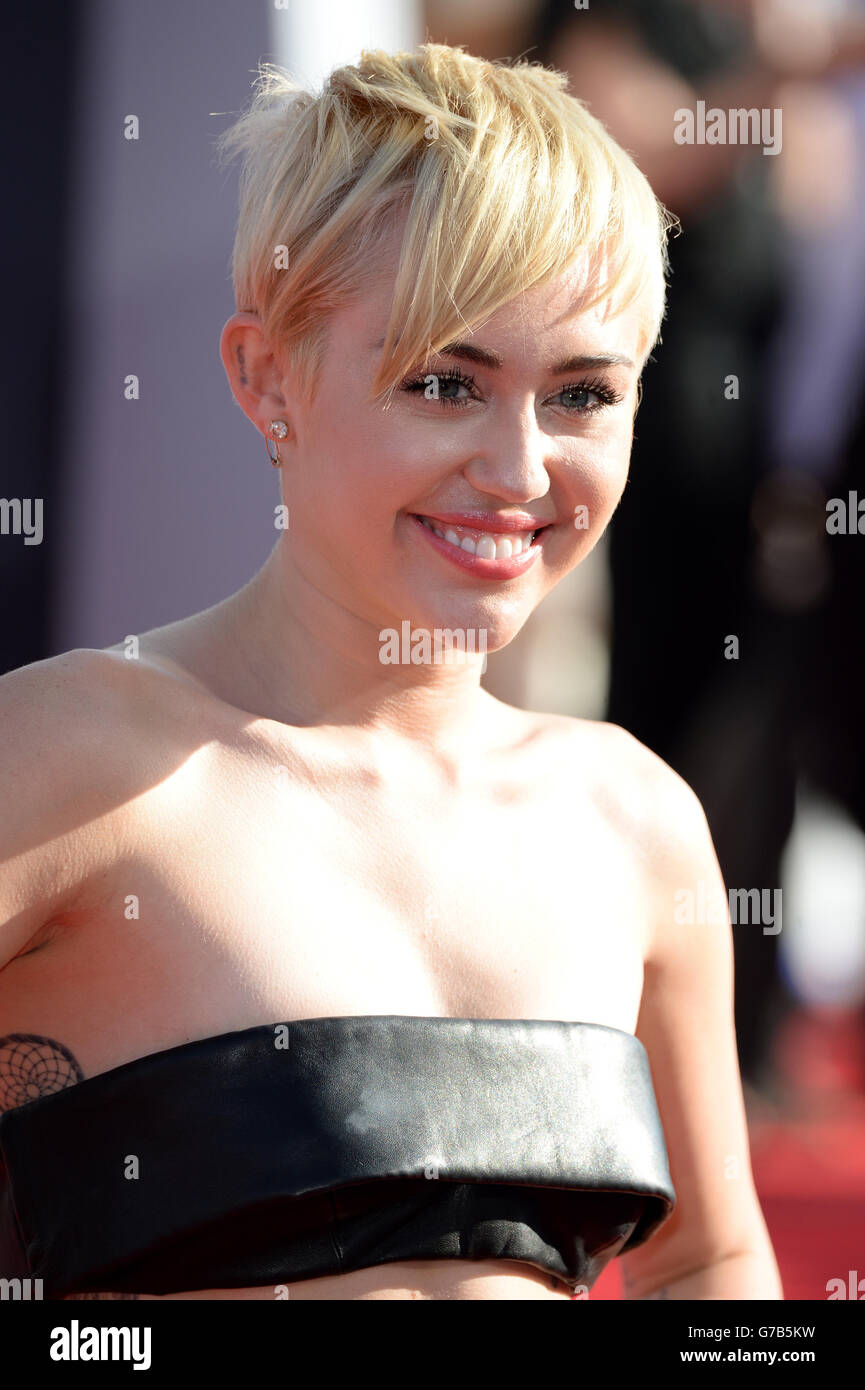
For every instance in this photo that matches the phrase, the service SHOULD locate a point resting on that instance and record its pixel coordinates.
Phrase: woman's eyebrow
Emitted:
(486, 357)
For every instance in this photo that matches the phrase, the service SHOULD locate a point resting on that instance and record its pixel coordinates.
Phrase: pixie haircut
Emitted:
(506, 179)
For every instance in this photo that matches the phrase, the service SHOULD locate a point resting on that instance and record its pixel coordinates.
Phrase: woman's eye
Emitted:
(447, 387)
(578, 397)
(584, 398)
(453, 388)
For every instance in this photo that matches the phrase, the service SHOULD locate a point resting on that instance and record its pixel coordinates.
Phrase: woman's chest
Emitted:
(246, 907)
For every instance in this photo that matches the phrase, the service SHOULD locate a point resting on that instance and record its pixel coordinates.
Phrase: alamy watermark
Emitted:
(846, 517)
(853, 1287)
(704, 906)
(20, 1290)
(438, 646)
(22, 516)
(738, 126)
(77, 1343)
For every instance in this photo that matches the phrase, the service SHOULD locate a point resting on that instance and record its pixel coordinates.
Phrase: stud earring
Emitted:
(279, 429)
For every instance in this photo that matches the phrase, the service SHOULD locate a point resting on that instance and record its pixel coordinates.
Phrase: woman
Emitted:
(301, 805)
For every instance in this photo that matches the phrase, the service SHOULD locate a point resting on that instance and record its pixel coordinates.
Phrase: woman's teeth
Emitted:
(486, 547)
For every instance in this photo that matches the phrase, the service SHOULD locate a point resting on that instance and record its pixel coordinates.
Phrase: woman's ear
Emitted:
(253, 371)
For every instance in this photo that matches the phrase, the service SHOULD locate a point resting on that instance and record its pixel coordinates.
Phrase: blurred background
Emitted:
(721, 618)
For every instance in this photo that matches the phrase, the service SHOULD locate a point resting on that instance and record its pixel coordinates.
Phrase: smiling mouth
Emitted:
(486, 545)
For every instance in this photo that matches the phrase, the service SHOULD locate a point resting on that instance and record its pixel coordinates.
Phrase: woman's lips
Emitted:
(483, 565)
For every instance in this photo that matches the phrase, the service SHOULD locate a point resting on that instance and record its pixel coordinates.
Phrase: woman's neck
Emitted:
(296, 658)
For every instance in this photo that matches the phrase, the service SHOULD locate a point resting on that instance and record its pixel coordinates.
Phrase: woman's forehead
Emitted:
(542, 320)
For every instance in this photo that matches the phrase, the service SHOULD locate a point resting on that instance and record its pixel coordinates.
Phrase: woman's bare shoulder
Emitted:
(46, 704)
(82, 735)
(631, 784)
(58, 704)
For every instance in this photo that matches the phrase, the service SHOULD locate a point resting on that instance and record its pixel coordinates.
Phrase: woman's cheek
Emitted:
(603, 473)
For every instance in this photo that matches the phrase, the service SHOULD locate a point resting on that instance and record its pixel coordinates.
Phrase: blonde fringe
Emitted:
(519, 181)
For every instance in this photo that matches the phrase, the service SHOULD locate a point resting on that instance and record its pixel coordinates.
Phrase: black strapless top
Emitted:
(366, 1140)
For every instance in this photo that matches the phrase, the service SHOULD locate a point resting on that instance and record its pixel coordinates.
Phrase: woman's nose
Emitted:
(511, 464)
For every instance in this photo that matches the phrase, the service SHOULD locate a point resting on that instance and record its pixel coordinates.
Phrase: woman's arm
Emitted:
(715, 1245)
(749, 1275)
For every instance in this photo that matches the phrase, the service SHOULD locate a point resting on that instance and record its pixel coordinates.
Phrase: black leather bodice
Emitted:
(363, 1141)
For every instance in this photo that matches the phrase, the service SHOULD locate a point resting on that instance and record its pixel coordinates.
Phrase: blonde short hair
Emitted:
(505, 177)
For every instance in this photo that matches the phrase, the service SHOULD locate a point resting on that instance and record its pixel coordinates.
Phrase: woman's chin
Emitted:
(474, 628)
